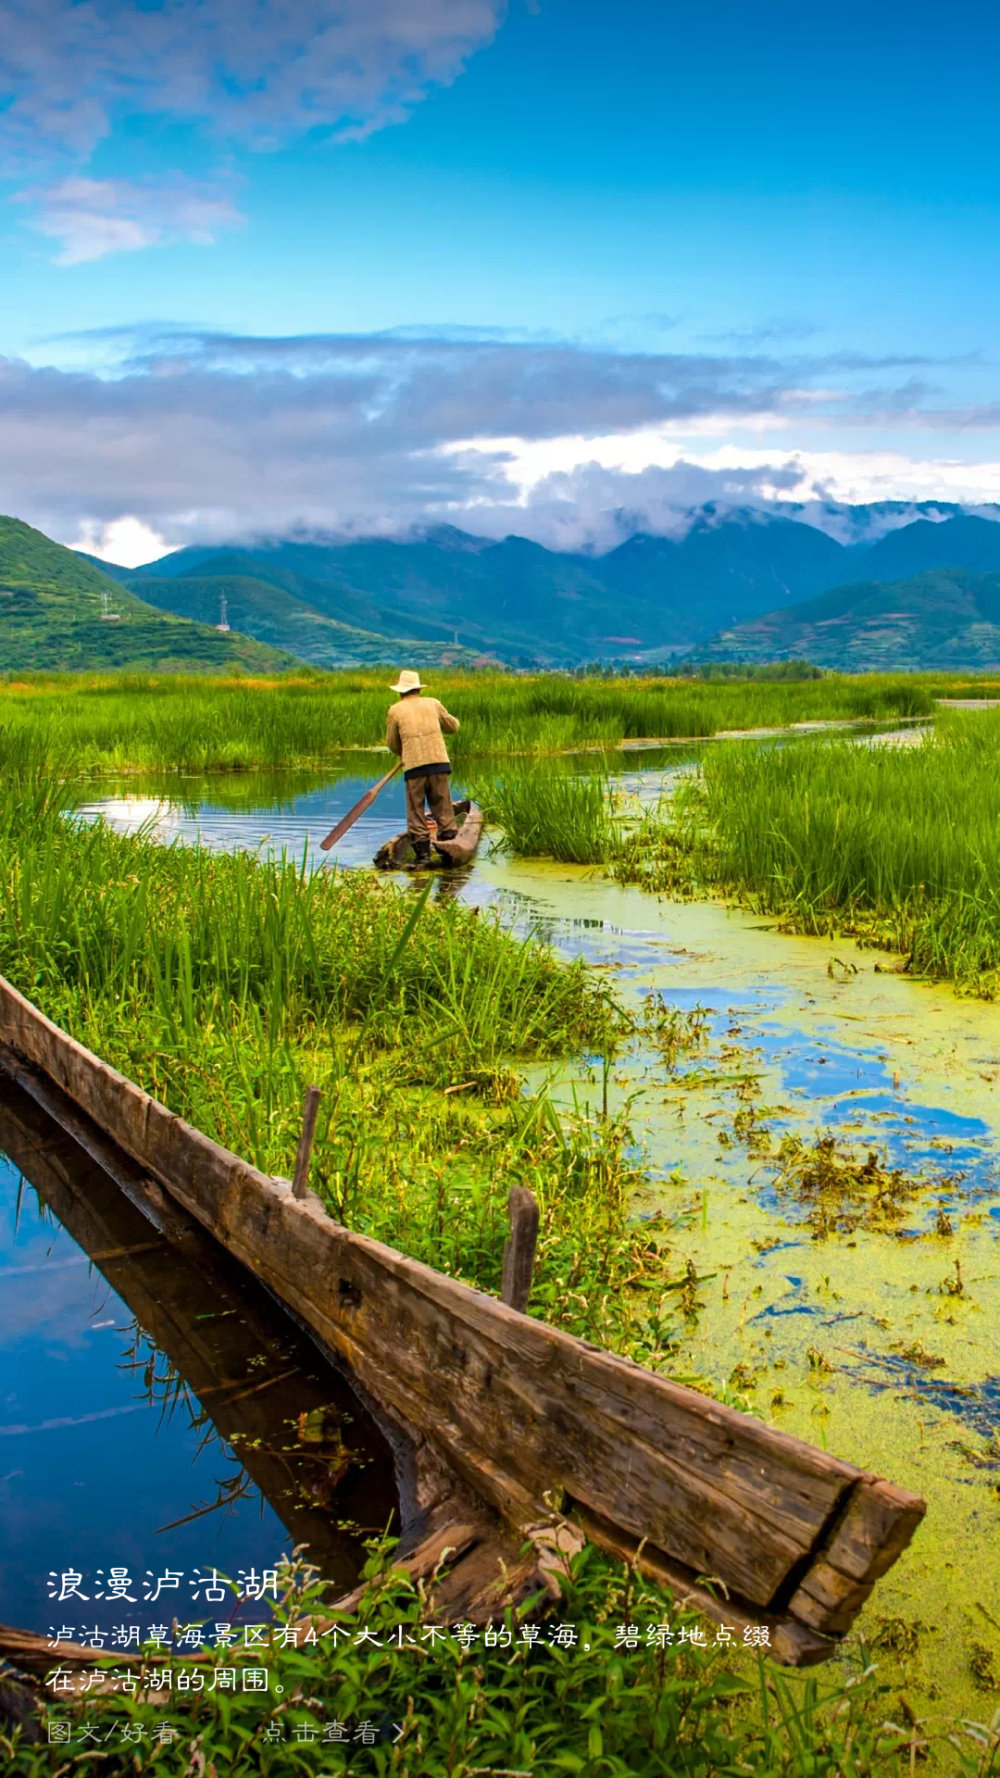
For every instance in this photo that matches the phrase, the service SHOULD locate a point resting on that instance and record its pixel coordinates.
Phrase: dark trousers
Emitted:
(435, 787)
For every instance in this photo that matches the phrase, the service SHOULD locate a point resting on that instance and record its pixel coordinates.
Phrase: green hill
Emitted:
(343, 602)
(948, 618)
(514, 598)
(58, 612)
(273, 614)
(964, 541)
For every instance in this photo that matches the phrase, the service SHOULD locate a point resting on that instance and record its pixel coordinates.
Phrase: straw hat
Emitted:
(407, 681)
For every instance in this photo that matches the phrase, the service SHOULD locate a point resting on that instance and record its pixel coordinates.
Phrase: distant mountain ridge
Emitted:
(447, 593)
(946, 619)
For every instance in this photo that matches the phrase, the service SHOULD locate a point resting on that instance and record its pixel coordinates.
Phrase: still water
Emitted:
(159, 1414)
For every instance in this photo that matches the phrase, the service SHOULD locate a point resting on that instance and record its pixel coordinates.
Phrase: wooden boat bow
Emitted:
(747, 1522)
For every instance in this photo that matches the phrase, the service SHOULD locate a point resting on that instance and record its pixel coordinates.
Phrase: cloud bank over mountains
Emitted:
(201, 436)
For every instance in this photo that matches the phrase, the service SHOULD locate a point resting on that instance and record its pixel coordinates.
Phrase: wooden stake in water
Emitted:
(300, 1183)
(519, 1251)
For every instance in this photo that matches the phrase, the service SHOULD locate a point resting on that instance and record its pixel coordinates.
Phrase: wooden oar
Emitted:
(359, 808)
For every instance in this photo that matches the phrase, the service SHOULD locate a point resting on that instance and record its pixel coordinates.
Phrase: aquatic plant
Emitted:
(91, 725)
(224, 983)
(544, 814)
(839, 1191)
(898, 846)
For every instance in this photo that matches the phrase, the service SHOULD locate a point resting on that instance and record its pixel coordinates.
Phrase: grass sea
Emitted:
(85, 725)
(224, 984)
(898, 845)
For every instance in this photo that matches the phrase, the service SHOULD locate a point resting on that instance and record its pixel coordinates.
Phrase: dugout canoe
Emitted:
(398, 853)
(505, 1417)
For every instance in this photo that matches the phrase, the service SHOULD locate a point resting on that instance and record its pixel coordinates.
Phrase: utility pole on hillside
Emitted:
(222, 623)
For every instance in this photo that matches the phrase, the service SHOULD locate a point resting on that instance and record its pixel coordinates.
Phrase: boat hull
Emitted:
(398, 853)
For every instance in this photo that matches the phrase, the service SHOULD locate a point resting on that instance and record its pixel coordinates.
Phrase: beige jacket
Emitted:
(413, 730)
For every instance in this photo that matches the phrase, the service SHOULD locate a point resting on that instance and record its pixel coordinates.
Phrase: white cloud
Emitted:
(94, 217)
(261, 71)
(127, 541)
(204, 437)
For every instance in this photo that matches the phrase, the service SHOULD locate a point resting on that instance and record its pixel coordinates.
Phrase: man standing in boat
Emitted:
(414, 732)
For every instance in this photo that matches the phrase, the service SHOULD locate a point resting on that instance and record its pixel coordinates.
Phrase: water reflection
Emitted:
(158, 1409)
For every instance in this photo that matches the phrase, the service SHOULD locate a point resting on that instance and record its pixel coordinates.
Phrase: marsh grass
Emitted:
(899, 847)
(548, 814)
(93, 726)
(224, 984)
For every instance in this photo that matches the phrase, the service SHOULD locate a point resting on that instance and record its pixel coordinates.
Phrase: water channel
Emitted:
(873, 1337)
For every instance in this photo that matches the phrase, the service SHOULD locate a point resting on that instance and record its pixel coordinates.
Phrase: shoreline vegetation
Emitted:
(93, 726)
(895, 846)
(576, 1695)
(224, 983)
(898, 847)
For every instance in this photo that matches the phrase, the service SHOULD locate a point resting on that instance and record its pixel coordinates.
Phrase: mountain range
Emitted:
(449, 594)
(737, 584)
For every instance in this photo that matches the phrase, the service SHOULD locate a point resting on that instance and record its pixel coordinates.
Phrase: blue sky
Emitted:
(559, 267)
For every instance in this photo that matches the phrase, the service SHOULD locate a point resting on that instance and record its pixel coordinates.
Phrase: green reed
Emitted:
(126, 723)
(224, 984)
(899, 845)
(186, 933)
(550, 814)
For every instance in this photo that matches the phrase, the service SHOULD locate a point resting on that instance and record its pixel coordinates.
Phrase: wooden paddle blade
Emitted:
(338, 832)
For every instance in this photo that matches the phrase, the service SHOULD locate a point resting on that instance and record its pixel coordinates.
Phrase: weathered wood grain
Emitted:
(521, 1410)
(875, 1525)
(300, 1182)
(793, 1643)
(519, 1250)
(460, 849)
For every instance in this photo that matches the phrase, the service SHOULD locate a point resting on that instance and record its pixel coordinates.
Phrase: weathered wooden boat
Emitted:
(398, 853)
(498, 1419)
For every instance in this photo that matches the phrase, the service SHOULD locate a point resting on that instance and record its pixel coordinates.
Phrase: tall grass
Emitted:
(549, 814)
(224, 984)
(99, 726)
(899, 845)
(196, 936)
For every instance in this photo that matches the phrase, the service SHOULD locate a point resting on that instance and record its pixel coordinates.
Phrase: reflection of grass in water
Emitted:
(88, 725)
(165, 1388)
(900, 847)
